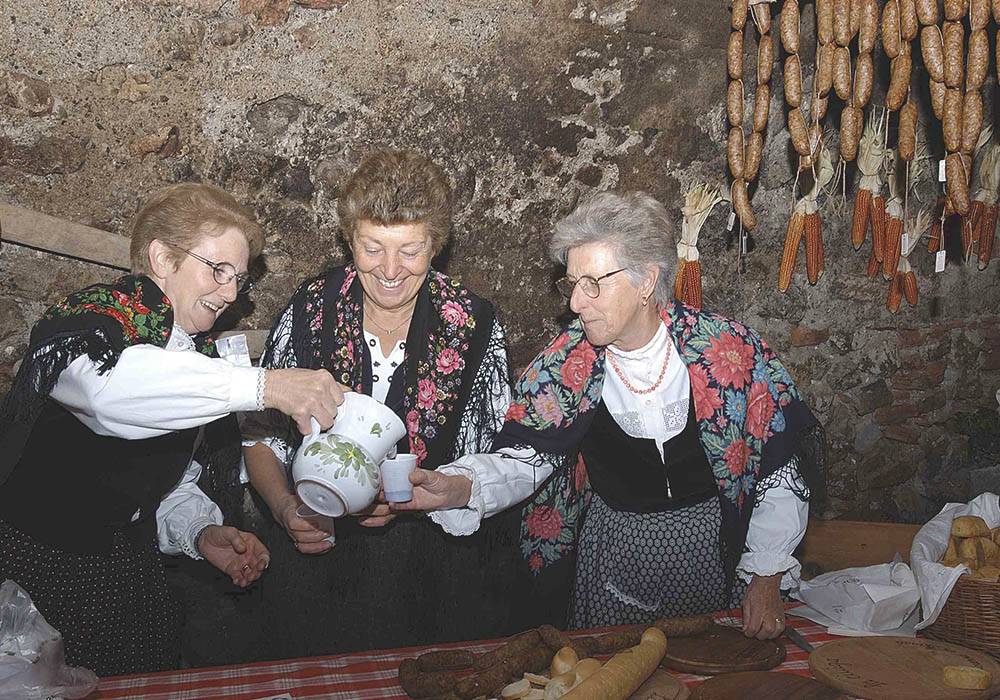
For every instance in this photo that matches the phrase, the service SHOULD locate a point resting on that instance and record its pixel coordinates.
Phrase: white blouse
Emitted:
(503, 479)
(153, 391)
(384, 367)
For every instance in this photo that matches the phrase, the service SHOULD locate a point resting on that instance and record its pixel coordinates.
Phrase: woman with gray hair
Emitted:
(688, 427)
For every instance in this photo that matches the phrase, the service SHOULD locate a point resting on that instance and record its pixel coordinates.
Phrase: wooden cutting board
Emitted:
(764, 685)
(898, 668)
(661, 686)
(721, 649)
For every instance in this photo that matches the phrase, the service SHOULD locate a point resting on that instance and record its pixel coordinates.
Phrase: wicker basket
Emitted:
(971, 617)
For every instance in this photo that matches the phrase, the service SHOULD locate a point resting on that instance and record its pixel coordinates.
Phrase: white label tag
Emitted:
(743, 243)
(732, 220)
(904, 244)
(939, 260)
(941, 175)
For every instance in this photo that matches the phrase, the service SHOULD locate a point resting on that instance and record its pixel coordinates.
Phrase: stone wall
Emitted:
(528, 105)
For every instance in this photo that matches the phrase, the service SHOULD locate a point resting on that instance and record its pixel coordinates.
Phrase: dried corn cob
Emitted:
(910, 287)
(862, 213)
(692, 283)
(895, 294)
(698, 204)
(892, 251)
(871, 159)
(796, 225)
(814, 247)
(904, 276)
(987, 236)
(878, 226)
(873, 265)
(983, 209)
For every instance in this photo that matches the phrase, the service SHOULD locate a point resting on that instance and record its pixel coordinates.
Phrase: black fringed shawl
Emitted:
(100, 322)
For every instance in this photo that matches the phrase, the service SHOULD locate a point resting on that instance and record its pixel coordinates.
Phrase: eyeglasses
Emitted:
(223, 272)
(591, 286)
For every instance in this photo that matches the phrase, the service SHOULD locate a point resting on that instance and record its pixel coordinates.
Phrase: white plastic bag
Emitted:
(929, 544)
(873, 599)
(32, 660)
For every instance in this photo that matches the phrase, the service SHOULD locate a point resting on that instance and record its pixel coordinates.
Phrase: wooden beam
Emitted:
(62, 237)
(839, 544)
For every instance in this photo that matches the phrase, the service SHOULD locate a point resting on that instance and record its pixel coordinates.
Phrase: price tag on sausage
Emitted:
(941, 175)
(939, 261)
(732, 220)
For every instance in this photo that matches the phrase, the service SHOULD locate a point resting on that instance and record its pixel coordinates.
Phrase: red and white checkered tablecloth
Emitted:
(366, 675)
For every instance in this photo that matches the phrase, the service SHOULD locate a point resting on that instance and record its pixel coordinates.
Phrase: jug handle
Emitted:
(316, 430)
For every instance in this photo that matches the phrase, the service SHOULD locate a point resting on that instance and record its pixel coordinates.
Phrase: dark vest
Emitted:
(73, 489)
(627, 473)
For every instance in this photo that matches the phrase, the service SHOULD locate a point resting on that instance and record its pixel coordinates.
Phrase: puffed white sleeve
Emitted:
(183, 514)
(271, 427)
(499, 481)
(152, 391)
(777, 525)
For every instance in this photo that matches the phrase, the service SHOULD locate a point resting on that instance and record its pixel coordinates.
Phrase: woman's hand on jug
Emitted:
(304, 394)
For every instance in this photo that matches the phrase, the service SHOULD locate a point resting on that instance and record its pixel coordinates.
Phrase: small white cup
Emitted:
(318, 520)
(396, 478)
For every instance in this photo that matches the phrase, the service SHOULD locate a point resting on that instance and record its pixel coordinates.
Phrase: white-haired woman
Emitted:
(690, 430)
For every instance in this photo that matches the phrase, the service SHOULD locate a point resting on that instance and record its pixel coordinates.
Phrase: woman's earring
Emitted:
(645, 301)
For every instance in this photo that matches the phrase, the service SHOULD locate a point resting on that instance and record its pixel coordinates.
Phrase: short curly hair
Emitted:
(393, 187)
(184, 214)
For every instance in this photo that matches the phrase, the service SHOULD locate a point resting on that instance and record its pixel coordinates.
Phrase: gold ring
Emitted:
(246, 567)
(779, 620)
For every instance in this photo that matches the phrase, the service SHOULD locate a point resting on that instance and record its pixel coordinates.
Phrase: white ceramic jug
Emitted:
(336, 472)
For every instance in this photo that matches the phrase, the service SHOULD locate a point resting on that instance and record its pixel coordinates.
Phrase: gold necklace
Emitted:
(383, 328)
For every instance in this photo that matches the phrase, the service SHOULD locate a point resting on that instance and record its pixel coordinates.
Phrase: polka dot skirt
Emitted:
(635, 568)
(114, 610)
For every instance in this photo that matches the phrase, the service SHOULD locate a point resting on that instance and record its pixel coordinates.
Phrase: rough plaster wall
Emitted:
(528, 105)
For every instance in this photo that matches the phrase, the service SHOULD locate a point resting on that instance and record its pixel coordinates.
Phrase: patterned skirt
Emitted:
(114, 610)
(635, 568)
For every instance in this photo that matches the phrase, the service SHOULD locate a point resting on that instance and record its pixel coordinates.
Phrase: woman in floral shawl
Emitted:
(389, 326)
(691, 431)
(117, 439)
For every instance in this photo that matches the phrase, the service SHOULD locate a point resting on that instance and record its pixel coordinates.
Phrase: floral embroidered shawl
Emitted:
(446, 344)
(750, 418)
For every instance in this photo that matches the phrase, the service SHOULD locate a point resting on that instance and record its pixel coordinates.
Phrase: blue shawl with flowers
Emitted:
(751, 421)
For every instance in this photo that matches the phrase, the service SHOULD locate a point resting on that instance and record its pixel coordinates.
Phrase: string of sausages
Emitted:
(744, 155)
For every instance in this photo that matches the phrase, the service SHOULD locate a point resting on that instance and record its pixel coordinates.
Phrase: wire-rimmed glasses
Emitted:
(591, 286)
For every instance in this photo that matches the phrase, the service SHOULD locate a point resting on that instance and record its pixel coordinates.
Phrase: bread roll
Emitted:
(564, 661)
(952, 552)
(967, 677)
(969, 526)
(516, 690)
(625, 671)
(987, 573)
(559, 686)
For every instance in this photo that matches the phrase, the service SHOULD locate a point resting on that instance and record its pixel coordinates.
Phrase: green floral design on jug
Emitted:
(333, 449)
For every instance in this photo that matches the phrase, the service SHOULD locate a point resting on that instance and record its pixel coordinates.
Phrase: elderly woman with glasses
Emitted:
(690, 430)
(388, 325)
(119, 387)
